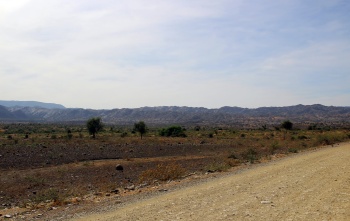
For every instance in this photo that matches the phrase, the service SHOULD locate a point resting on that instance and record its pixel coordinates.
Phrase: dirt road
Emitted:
(307, 186)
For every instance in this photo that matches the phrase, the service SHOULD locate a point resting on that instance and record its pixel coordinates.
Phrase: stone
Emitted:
(163, 190)
(265, 202)
(131, 187)
(8, 216)
(119, 167)
(116, 191)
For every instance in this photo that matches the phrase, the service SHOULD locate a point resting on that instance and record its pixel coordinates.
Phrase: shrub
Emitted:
(274, 147)
(197, 128)
(69, 136)
(51, 194)
(173, 131)
(302, 137)
(287, 125)
(312, 127)
(232, 162)
(330, 138)
(251, 155)
(217, 167)
(292, 150)
(232, 156)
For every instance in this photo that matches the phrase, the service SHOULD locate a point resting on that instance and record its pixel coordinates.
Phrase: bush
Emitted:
(330, 138)
(287, 125)
(69, 136)
(197, 128)
(250, 155)
(48, 195)
(292, 150)
(173, 131)
(232, 156)
(302, 137)
(218, 167)
(274, 146)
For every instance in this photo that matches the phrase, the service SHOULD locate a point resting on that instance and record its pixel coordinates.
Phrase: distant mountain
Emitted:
(6, 114)
(16, 115)
(31, 104)
(225, 116)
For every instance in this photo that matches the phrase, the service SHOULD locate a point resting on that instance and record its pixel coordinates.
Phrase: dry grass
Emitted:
(162, 172)
(61, 168)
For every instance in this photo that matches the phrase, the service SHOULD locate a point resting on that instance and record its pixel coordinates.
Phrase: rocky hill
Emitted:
(225, 116)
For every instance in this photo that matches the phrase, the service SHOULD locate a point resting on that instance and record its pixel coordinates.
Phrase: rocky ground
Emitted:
(310, 186)
(313, 185)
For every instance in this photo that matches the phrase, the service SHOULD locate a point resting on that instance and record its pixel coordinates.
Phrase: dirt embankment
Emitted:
(310, 186)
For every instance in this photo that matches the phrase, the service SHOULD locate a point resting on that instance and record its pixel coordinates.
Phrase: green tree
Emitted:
(94, 125)
(286, 125)
(173, 131)
(141, 128)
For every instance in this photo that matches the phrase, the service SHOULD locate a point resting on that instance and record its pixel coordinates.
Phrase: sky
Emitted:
(106, 54)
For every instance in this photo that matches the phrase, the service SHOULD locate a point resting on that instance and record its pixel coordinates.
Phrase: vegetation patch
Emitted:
(162, 172)
(59, 161)
(173, 131)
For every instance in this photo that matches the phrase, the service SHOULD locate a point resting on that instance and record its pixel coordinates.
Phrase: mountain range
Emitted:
(30, 104)
(224, 116)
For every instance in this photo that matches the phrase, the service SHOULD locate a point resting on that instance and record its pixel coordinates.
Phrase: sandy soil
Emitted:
(309, 186)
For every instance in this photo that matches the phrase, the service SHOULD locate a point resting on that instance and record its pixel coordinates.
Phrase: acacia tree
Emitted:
(141, 128)
(94, 125)
(287, 125)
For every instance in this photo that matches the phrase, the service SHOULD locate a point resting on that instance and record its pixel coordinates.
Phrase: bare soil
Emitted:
(314, 185)
(30, 173)
(42, 178)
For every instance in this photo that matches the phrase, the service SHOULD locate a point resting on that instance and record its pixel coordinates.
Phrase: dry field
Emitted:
(310, 186)
(42, 168)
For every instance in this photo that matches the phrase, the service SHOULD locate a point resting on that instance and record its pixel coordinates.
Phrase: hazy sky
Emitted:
(106, 54)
